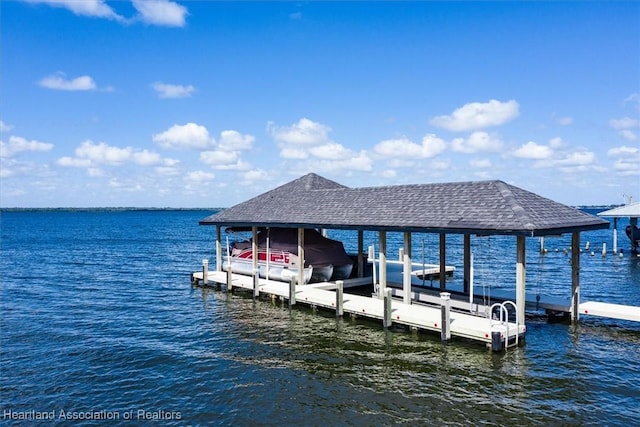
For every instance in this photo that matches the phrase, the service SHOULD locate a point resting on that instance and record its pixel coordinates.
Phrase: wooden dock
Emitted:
(394, 311)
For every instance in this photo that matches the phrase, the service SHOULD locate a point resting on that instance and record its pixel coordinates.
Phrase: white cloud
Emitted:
(477, 142)
(293, 153)
(190, 135)
(199, 177)
(624, 127)
(563, 121)
(90, 155)
(255, 175)
(234, 140)
(577, 158)
(146, 157)
(628, 160)
(440, 165)
(18, 144)
(480, 163)
(161, 12)
(166, 91)
(556, 143)
(5, 127)
(305, 132)
(627, 167)
(532, 150)
(624, 123)
(624, 151)
(628, 135)
(218, 157)
(330, 151)
(360, 162)
(59, 82)
(103, 153)
(478, 115)
(403, 147)
(91, 8)
(307, 139)
(224, 160)
(74, 162)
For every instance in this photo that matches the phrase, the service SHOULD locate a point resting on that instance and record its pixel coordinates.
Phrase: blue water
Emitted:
(98, 319)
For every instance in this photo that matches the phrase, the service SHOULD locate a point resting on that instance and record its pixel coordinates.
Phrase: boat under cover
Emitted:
(325, 259)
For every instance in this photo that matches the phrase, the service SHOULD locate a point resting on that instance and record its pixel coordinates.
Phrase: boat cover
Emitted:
(318, 250)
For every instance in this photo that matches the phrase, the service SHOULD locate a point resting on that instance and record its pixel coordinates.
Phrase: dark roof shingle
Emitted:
(483, 207)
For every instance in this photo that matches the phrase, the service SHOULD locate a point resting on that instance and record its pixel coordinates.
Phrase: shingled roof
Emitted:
(481, 207)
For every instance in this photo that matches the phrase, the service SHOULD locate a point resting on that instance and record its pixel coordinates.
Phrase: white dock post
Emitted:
(339, 298)
(256, 282)
(292, 292)
(205, 271)
(575, 277)
(443, 262)
(471, 282)
(360, 254)
(386, 322)
(229, 279)
(383, 263)
(406, 268)
(521, 278)
(372, 259)
(541, 244)
(301, 258)
(615, 236)
(467, 265)
(604, 250)
(445, 310)
(218, 248)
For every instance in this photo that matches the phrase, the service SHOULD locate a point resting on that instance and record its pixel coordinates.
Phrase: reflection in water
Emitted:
(408, 377)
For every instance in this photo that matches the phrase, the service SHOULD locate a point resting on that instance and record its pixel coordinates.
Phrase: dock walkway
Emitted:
(416, 315)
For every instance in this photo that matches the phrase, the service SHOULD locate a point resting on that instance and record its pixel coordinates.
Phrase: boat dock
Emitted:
(472, 210)
(552, 305)
(444, 319)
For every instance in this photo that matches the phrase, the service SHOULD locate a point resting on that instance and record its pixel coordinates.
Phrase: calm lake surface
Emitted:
(99, 320)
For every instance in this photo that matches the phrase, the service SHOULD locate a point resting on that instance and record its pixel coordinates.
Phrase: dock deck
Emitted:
(417, 315)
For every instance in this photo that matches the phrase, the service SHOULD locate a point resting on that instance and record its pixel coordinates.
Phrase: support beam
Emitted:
(575, 277)
(301, 256)
(445, 312)
(218, 248)
(383, 263)
(520, 278)
(360, 253)
(443, 261)
(615, 236)
(466, 264)
(406, 269)
(386, 321)
(254, 249)
(339, 298)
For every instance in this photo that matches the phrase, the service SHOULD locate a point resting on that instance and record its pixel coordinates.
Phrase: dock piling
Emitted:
(387, 308)
(445, 310)
(256, 283)
(339, 298)
(496, 341)
(229, 279)
(292, 292)
(205, 271)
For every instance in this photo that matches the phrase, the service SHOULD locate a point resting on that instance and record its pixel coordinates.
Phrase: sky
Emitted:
(159, 103)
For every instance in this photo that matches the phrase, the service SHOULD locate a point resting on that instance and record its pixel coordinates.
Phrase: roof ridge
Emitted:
(513, 204)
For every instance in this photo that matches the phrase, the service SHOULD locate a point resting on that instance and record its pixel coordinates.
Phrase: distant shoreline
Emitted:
(105, 209)
(152, 209)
